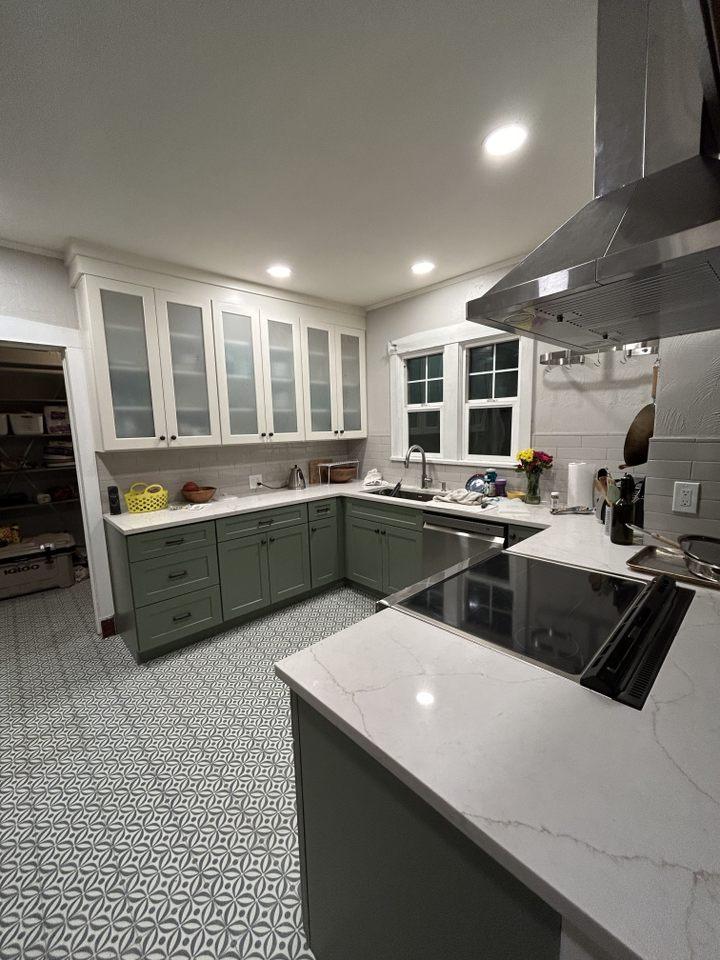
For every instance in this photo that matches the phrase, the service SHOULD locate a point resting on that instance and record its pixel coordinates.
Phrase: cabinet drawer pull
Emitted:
(322, 510)
(175, 543)
(265, 523)
(176, 576)
(182, 616)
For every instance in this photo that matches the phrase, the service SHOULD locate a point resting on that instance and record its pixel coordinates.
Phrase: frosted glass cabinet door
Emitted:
(125, 354)
(283, 383)
(318, 344)
(351, 382)
(239, 372)
(188, 361)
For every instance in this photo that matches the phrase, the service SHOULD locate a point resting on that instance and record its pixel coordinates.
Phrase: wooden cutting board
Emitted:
(314, 471)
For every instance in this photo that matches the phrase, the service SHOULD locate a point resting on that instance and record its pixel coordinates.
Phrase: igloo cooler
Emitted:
(36, 563)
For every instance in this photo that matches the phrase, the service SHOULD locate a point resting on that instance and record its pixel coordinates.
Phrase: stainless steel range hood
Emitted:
(641, 260)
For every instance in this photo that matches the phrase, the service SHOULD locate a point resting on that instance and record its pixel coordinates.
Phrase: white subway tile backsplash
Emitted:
(681, 523)
(702, 470)
(677, 469)
(666, 449)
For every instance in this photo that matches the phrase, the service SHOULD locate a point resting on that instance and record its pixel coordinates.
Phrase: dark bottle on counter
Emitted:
(623, 513)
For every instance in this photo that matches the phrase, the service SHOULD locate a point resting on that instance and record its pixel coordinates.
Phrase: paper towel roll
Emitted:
(580, 484)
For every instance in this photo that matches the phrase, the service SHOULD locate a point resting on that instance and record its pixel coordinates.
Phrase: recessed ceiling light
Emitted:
(425, 698)
(279, 270)
(422, 266)
(505, 139)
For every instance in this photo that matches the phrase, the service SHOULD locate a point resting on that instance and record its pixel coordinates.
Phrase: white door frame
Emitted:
(34, 334)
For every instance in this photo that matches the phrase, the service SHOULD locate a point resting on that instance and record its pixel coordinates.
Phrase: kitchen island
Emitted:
(596, 826)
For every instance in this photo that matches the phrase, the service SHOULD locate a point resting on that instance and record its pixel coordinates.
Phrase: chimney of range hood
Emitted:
(641, 260)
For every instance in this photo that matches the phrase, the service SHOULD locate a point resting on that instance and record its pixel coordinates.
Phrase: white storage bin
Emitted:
(26, 424)
(3, 424)
(37, 563)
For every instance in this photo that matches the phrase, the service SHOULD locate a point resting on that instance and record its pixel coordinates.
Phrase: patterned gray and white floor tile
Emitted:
(147, 812)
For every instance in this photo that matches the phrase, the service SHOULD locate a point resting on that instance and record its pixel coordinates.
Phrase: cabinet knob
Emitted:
(272, 539)
(263, 434)
(383, 532)
(342, 431)
(263, 542)
(313, 529)
(377, 529)
(173, 437)
(336, 432)
(161, 437)
(271, 434)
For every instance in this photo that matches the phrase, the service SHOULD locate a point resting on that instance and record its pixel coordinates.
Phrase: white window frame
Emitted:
(421, 407)
(468, 405)
(454, 342)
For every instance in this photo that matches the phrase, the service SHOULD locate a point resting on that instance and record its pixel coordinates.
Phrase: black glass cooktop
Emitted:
(556, 615)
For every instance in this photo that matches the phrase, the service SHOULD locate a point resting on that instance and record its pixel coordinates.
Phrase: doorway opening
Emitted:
(42, 533)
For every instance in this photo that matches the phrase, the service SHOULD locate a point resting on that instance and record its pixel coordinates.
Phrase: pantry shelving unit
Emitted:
(28, 387)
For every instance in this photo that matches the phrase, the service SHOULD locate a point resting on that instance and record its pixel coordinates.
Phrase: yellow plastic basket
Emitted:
(143, 497)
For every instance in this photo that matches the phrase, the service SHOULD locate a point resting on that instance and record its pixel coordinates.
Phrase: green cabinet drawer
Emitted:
(162, 543)
(324, 555)
(407, 517)
(289, 563)
(244, 576)
(164, 577)
(164, 623)
(363, 552)
(320, 509)
(244, 524)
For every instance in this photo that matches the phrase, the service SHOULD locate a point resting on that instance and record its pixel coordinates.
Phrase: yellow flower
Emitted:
(526, 455)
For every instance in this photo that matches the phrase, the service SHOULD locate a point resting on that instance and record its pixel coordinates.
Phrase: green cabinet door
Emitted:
(402, 557)
(324, 559)
(363, 552)
(244, 577)
(289, 562)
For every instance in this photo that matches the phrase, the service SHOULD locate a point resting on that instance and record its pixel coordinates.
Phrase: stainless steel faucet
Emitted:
(425, 479)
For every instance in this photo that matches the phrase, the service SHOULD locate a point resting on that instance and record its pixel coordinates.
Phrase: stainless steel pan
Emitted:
(701, 554)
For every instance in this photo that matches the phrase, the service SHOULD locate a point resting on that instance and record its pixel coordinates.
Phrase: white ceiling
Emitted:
(340, 136)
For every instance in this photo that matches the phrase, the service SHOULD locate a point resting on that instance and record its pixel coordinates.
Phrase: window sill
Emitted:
(476, 464)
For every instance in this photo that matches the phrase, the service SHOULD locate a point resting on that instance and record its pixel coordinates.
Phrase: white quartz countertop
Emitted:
(505, 511)
(611, 814)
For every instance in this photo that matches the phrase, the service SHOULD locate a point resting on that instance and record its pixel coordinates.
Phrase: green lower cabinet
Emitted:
(380, 556)
(402, 557)
(363, 552)
(244, 576)
(324, 558)
(289, 563)
(170, 621)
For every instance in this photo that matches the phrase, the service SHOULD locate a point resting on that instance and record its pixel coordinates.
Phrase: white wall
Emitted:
(36, 288)
(581, 412)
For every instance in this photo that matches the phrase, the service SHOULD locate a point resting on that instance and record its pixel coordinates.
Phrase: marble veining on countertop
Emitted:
(507, 511)
(610, 814)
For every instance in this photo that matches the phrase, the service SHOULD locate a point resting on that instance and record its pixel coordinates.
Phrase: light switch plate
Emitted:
(255, 481)
(685, 497)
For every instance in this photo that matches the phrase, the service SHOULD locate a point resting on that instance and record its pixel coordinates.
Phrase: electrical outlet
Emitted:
(255, 481)
(685, 497)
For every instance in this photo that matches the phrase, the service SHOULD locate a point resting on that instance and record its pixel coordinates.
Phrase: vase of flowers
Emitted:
(532, 463)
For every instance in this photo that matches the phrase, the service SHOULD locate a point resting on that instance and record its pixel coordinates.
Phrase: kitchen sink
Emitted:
(424, 496)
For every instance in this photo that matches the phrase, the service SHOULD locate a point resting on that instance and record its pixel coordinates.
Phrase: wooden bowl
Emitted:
(203, 495)
(342, 474)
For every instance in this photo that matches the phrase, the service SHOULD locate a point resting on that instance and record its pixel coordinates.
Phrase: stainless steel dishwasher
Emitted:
(450, 540)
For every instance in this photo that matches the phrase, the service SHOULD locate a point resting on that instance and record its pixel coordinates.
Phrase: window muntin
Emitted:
(493, 370)
(424, 379)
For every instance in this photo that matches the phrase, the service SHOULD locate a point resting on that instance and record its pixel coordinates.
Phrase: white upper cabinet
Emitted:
(183, 369)
(333, 381)
(282, 367)
(187, 356)
(351, 383)
(126, 360)
(241, 389)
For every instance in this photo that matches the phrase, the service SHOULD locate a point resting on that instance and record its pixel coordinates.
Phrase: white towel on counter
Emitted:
(373, 478)
(461, 495)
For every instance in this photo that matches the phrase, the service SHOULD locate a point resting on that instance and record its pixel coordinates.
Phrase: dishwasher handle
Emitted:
(471, 528)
